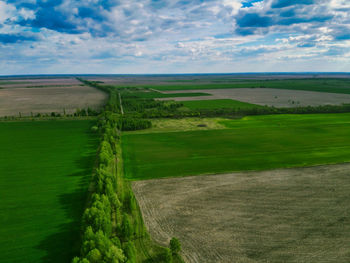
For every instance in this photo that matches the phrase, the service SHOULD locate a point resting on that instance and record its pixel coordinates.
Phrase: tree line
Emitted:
(112, 222)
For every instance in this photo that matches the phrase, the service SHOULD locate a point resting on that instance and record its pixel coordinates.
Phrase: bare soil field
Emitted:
(269, 97)
(37, 82)
(49, 99)
(286, 215)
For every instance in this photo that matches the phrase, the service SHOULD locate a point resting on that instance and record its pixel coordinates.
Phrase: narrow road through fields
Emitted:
(121, 105)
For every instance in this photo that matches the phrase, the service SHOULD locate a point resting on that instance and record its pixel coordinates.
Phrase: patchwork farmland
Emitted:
(269, 97)
(175, 168)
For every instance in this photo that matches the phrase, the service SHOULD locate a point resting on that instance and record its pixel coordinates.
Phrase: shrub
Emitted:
(175, 245)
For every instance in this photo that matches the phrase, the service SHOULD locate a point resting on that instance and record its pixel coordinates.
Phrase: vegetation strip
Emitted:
(113, 229)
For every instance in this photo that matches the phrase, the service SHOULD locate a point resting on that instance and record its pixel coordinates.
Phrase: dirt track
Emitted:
(270, 97)
(286, 215)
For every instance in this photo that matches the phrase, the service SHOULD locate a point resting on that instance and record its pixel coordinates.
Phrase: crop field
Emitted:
(154, 94)
(250, 143)
(270, 97)
(45, 170)
(320, 84)
(337, 83)
(25, 101)
(290, 215)
(217, 104)
(37, 82)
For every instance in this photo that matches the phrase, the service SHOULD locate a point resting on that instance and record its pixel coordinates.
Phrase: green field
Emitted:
(45, 168)
(321, 85)
(217, 104)
(250, 143)
(156, 95)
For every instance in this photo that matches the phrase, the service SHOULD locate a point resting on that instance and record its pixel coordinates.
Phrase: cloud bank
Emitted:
(173, 36)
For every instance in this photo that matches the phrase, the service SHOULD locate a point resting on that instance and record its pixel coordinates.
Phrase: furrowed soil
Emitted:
(37, 82)
(285, 215)
(49, 99)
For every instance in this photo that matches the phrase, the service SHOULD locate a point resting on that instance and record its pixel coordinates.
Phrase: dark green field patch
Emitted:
(13, 82)
(218, 104)
(45, 168)
(156, 95)
(251, 143)
(321, 85)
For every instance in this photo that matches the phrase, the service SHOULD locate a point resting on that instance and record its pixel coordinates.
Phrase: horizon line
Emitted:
(173, 74)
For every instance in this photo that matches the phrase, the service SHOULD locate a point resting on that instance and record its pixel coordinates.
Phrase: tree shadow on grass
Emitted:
(65, 243)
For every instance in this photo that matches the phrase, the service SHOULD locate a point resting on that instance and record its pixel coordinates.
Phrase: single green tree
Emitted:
(175, 245)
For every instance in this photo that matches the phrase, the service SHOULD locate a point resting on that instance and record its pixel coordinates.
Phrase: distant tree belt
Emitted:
(109, 227)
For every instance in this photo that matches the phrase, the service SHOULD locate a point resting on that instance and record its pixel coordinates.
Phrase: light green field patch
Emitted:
(251, 143)
(184, 124)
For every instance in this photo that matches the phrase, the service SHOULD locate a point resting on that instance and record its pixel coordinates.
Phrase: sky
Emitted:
(173, 36)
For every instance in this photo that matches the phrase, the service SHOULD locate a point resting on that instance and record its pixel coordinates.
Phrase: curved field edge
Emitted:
(250, 143)
(285, 215)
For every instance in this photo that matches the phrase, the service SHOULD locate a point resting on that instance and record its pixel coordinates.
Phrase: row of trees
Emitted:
(232, 112)
(112, 222)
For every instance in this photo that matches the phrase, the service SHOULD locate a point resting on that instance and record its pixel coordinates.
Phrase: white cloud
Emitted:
(7, 11)
(174, 36)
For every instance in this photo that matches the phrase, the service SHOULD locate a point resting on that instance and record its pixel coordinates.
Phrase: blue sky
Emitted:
(173, 36)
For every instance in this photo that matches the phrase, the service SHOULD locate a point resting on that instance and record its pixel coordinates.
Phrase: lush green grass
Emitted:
(13, 82)
(251, 143)
(217, 104)
(154, 95)
(45, 168)
(321, 85)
